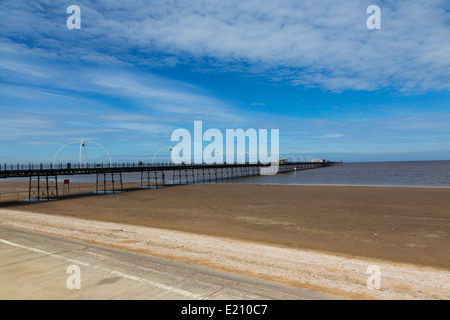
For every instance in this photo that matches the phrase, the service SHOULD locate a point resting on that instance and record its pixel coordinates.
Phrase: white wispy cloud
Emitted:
(330, 136)
(320, 43)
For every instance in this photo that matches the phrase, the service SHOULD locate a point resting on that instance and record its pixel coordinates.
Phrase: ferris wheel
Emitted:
(82, 146)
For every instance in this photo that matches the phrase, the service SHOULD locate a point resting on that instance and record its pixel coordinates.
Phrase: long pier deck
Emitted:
(43, 178)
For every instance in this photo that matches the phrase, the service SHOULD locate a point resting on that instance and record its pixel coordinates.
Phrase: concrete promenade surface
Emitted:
(35, 266)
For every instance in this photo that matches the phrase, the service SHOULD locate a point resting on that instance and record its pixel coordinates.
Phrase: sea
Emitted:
(400, 174)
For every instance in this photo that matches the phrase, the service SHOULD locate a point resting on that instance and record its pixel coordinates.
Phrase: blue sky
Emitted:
(138, 70)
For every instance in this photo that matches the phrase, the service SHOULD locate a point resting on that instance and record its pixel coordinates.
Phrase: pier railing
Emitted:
(51, 166)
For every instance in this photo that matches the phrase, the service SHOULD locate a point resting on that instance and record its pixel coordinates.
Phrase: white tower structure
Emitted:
(82, 146)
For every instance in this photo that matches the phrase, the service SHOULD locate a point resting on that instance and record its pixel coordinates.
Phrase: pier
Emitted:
(43, 183)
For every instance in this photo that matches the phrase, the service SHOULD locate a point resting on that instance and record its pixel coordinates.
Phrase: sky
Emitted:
(138, 70)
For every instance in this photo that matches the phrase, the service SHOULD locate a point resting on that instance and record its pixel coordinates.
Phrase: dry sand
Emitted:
(321, 238)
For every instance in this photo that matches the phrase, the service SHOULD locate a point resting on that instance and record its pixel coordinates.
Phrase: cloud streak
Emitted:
(319, 43)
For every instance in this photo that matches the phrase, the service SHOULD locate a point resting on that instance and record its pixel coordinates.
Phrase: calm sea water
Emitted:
(408, 173)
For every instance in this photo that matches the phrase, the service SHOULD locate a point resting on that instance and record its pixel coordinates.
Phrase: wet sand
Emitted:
(407, 225)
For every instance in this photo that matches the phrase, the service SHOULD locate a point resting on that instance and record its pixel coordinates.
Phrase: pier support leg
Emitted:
(37, 192)
(107, 182)
(34, 191)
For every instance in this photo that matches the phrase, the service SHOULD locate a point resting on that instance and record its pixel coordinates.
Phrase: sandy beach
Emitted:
(336, 228)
